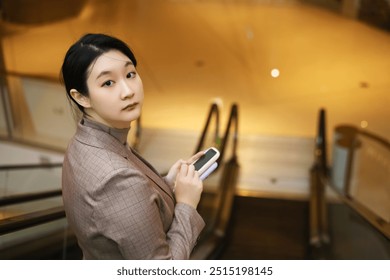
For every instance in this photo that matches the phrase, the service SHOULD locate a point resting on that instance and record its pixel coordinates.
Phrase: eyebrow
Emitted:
(109, 72)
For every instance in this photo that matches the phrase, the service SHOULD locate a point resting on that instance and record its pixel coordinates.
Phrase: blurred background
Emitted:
(309, 80)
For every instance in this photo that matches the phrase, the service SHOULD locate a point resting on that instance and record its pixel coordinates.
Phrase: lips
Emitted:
(130, 106)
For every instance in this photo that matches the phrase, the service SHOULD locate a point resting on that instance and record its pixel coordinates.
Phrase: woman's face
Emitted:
(115, 90)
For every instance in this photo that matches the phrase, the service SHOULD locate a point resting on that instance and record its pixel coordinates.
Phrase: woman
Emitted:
(118, 206)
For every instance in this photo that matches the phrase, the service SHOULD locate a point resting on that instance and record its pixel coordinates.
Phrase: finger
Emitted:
(191, 170)
(196, 174)
(178, 164)
(196, 156)
(183, 169)
(174, 169)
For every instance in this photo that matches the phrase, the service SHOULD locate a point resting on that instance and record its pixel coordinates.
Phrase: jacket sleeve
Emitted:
(134, 215)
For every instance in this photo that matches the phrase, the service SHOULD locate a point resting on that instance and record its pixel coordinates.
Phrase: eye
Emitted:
(131, 74)
(108, 83)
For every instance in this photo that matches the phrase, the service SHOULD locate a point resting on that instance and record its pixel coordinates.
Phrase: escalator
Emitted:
(33, 225)
(217, 201)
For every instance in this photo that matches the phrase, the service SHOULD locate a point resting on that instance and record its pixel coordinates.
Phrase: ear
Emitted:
(82, 100)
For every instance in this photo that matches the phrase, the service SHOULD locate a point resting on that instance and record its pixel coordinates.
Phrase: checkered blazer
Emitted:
(119, 209)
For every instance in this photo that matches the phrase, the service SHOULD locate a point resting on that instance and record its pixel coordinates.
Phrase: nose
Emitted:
(127, 91)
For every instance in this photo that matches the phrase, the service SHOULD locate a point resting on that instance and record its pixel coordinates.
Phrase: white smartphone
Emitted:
(207, 161)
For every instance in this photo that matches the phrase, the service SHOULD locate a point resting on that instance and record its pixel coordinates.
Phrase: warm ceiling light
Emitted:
(363, 124)
(275, 73)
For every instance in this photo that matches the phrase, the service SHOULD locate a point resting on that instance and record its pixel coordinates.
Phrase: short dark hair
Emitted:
(82, 54)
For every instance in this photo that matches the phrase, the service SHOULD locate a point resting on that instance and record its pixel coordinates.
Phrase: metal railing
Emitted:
(321, 179)
(27, 197)
(349, 191)
(28, 220)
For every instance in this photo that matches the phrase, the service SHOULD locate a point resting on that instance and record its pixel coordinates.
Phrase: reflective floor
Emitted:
(193, 52)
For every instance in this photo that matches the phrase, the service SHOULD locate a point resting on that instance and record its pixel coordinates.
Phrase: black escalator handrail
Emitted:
(214, 111)
(27, 197)
(318, 221)
(384, 142)
(25, 221)
(233, 120)
(30, 166)
(320, 152)
(211, 246)
(228, 181)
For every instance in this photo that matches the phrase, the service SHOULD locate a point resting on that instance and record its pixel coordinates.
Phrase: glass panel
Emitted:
(51, 117)
(352, 237)
(358, 205)
(40, 110)
(29, 180)
(370, 176)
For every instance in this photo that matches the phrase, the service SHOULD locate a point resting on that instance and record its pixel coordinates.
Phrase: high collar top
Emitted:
(118, 133)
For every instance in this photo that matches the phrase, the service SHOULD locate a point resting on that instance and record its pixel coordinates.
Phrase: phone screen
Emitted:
(205, 158)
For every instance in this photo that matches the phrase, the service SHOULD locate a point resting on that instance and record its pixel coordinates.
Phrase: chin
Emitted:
(135, 115)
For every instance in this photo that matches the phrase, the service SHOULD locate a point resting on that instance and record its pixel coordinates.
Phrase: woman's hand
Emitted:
(189, 186)
(170, 178)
